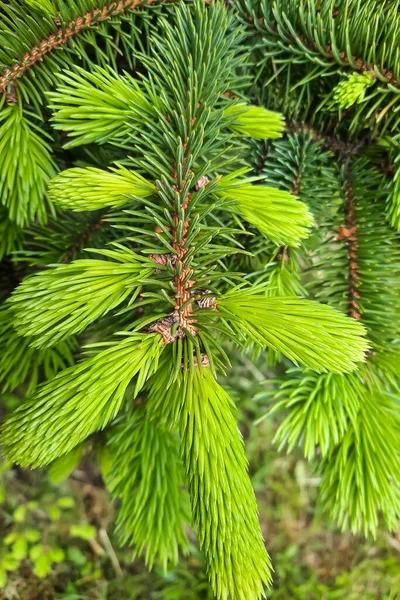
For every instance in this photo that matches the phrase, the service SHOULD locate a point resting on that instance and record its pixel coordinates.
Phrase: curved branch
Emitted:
(8, 80)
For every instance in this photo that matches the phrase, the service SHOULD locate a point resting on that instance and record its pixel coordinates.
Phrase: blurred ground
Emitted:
(57, 541)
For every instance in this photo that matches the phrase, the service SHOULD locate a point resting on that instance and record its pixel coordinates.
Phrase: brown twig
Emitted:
(182, 282)
(284, 251)
(8, 80)
(330, 142)
(349, 233)
(103, 535)
(81, 239)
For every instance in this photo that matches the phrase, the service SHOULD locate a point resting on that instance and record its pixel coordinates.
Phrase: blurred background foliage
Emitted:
(57, 539)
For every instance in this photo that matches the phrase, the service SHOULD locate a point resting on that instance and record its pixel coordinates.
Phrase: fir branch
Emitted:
(10, 76)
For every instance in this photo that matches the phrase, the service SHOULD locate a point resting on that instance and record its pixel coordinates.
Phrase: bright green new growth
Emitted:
(89, 188)
(179, 133)
(102, 116)
(307, 332)
(352, 89)
(276, 213)
(320, 409)
(224, 507)
(46, 6)
(255, 121)
(146, 476)
(360, 478)
(25, 167)
(20, 363)
(80, 400)
(67, 298)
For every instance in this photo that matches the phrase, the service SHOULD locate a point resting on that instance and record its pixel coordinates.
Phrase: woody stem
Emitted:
(8, 79)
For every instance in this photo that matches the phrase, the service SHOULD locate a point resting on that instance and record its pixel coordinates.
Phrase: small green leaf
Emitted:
(10, 538)
(54, 513)
(10, 563)
(3, 577)
(36, 551)
(42, 566)
(66, 502)
(20, 513)
(76, 556)
(20, 548)
(32, 535)
(56, 554)
(85, 532)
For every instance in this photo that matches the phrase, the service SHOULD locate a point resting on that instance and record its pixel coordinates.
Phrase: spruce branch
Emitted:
(223, 503)
(349, 234)
(359, 256)
(26, 166)
(360, 478)
(328, 46)
(320, 409)
(297, 328)
(22, 364)
(255, 121)
(282, 218)
(305, 331)
(79, 400)
(295, 53)
(146, 476)
(62, 35)
(71, 296)
(89, 188)
(81, 240)
(109, 106)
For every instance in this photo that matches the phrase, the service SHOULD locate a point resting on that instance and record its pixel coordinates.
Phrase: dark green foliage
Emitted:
(306, 50)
